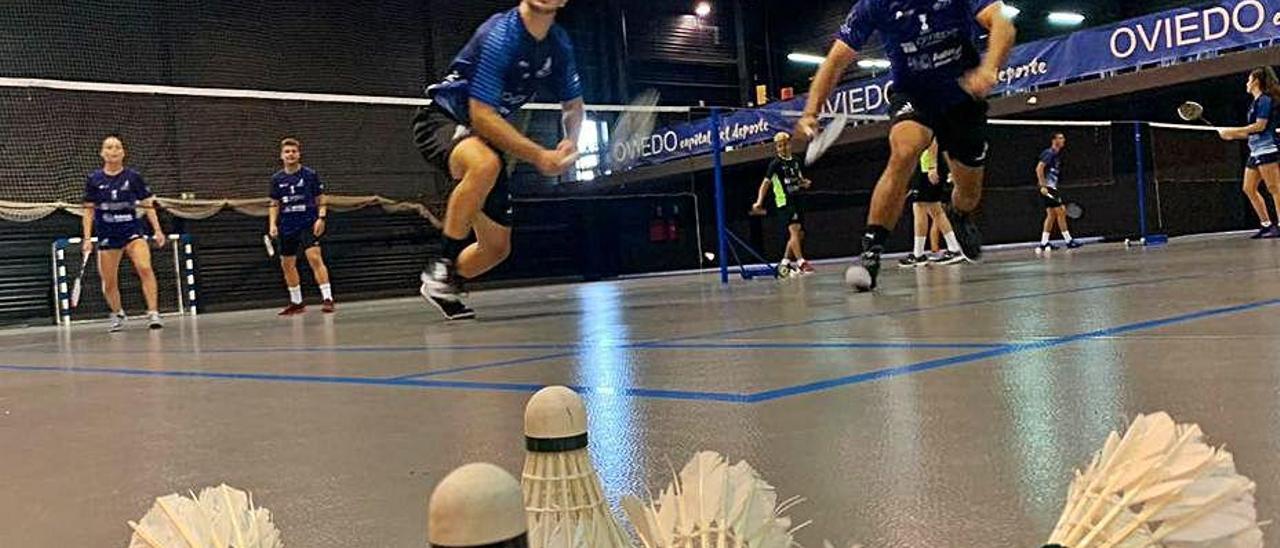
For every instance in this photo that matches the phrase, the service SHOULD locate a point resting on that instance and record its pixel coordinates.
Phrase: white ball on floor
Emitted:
(857, 277)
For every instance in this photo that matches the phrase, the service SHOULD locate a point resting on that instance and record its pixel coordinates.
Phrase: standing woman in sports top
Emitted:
(112, 196)
(1264, 154)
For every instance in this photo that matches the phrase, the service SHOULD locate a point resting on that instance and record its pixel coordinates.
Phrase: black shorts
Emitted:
(302, 239)
(436, 134)
(924, 192)
(118, 238)
(1051, 199)
(1265, 159)
(961, 129)
(791, 214)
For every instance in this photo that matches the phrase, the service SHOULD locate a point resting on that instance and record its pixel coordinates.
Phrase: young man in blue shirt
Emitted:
(465, 132)
(939, 89)
(1048, 173)
(297, 221)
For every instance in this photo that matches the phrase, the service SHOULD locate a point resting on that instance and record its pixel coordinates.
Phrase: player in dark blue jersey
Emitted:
(1264, 152)
(464, 134)
(297, 221)
(112, 197)
(1048, 174)
(940, 82)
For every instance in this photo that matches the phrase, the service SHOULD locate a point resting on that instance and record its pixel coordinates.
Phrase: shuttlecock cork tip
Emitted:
(555, 420)
(478, 504)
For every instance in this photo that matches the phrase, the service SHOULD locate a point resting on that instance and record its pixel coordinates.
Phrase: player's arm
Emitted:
(824, 82)
(496, 131)
(86, 226)
(149, 210)
(273, 218)
(1243, 132)
(322, 208)
(760, 196)
(1040, 177)
(980, 81)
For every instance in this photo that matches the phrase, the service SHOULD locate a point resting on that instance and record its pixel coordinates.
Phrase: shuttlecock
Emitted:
(711, 504)
(1159, 486)
(221, 517)
(562, 493)
(477, 505)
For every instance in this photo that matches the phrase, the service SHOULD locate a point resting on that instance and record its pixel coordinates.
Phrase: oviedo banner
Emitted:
(1158, 37)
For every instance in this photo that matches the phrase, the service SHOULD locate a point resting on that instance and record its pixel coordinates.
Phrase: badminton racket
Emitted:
(636, 122)
(1192, 111)
(77, 285)
(825, 138)
(1074, 211)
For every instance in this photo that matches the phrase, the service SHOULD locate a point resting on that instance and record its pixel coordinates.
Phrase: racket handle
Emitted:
(266, 242)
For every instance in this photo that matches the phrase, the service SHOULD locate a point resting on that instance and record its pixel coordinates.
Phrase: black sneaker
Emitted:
(1273, 233)
(1046, 247)
(950, 257)
(912, 261)
(1261, 233)
(1074, 245)
(966, 228)
(440, 288)
(862, 276)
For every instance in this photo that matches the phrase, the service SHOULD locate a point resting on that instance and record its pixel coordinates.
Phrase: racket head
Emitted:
(1191, 111)
(827, 137)
(1074, 211)
(631, 125)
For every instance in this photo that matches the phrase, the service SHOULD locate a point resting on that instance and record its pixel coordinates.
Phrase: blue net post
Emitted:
(722, 240)
(1141, 177)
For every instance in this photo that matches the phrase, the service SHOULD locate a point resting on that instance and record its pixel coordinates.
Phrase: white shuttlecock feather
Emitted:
(221, 517)
(1160, 485)
(712, 504)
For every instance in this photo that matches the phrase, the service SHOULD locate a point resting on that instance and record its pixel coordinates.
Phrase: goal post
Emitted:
(176, 280)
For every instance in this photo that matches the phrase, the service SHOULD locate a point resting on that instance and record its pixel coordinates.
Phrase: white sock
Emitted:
(1044, 238)
(295, 294)
(953, 245)
(326, 292)
(919, 249)
(1266, 224)
(1066, 235)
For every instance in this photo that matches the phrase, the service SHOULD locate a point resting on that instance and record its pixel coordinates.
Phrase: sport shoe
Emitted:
(327, 306)
(1046, 247)
(1274, 232)
(117, 322)
(950, 257)
(913, 261)
(862, 276)
(153, 321)
(1261, 233)
(966, 229)
(1073, 244)
(806, 268)
(440, 288)
(293, 309)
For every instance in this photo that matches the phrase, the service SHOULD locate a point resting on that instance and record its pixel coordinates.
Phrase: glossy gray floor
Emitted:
(947, 410)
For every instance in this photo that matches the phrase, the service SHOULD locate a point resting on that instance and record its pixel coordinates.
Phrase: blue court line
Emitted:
(864, 315)
(928, 365)
(570, 346)
(758, 397)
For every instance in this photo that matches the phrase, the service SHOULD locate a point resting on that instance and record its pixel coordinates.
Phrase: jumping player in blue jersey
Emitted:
(1264, 152)
(297, 220)
(939, 87)
(465, 132)
(112, 196)
(1048, 173)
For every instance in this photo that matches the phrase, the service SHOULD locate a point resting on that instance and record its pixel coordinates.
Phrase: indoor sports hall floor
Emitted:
(948, 410)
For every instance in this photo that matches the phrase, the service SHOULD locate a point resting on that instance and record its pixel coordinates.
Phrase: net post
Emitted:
(1140, 176)
(717, 159)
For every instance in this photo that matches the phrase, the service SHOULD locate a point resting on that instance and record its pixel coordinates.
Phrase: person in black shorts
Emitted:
(297, 221)
(787, 183)
(927, 195)
(940, 86)
(1048, 173)
(465, 132)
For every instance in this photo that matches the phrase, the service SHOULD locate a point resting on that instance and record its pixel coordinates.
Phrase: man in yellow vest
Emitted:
(787, 182)
(927, 195)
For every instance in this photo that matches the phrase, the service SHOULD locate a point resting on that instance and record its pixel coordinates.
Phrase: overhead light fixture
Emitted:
(1010, 11)
(873, 63)
(703, 9)
(1065, 18)
(805, 58)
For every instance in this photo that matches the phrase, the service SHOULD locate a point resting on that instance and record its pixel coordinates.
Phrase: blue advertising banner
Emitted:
(1159, 37)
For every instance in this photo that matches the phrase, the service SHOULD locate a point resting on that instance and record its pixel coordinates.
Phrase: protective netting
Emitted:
(1196, 182)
